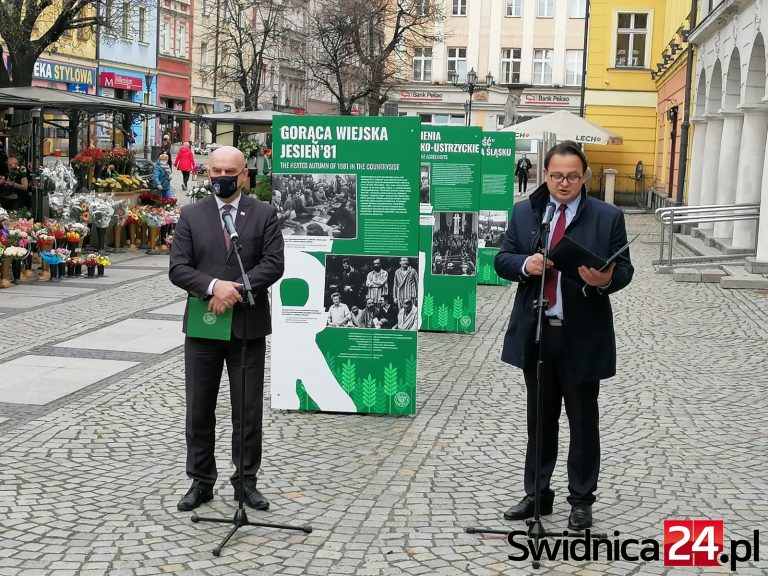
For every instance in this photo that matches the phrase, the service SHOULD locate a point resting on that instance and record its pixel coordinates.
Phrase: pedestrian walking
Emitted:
(521, 171)
(185, 162)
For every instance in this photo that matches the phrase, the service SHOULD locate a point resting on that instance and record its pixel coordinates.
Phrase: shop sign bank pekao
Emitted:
(65, 73)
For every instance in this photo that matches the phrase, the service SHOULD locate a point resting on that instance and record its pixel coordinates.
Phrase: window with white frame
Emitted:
(457, 63)
(513, 8)
(423, 7)
(578, 9)
(631, 39)
(204, 54)
(422, 64)
(545, 8)
(510, 65)
(125, 28)
(459, 8)
(574, 66)
(109, 16)
(143, 25)
(206, 7)
(165, 36)
(182, 47)
(542, 67)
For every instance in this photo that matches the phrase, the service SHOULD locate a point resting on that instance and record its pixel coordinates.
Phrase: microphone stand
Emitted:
(241, 517)
(536, 530)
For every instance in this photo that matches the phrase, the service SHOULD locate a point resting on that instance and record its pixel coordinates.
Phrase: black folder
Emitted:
(569, 255)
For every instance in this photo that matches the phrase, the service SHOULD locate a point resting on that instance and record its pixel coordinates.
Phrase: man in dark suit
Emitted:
(579, 347)
(203, 264)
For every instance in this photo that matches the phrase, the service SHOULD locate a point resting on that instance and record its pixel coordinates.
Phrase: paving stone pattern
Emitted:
(89, 482)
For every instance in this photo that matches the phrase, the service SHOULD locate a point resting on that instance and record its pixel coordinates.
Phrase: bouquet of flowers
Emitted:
(90, 156)
(149, 199)
(3, 215)
(201, 191)
(171, 217)
(78, 227)
(54, 257)
(78, 209)
(168, 202)
(199, 169)
(249, 147)
(101, 211)
(72, 237)
(154, 217)
(120, 212)
(16, 252)
(103, 261)
(91, 259)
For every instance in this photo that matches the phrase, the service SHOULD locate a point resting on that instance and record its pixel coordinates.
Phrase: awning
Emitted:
(565, 126)
(36, 97)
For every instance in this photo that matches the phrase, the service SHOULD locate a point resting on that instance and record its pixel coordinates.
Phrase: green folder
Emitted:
(204, 324)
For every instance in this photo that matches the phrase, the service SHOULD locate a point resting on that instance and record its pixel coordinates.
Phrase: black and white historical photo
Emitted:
(424, 184)
(316, 204)
(372, 292)
(454, 244)
(492, 226)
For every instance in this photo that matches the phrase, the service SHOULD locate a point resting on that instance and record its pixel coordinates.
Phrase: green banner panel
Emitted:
(496, 201)
(449, 196)
(346, 312)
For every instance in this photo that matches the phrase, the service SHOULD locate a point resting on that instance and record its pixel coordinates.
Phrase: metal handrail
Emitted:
(671, 215)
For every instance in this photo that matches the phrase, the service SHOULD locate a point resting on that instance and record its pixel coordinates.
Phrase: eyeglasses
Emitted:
(556, 177)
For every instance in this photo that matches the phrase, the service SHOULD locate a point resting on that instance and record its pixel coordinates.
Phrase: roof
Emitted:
(38, 96)
(255, 117)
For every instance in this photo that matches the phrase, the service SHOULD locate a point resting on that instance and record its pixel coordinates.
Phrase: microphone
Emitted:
(549, 211)
(229, 226)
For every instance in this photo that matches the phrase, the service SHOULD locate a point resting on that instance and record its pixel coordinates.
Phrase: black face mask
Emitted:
(224, 186)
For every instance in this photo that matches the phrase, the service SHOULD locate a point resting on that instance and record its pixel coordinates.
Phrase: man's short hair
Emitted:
(346, 261)
(566, 148)
(335, 294)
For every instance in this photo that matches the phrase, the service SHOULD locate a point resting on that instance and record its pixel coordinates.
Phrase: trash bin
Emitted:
(155, 153)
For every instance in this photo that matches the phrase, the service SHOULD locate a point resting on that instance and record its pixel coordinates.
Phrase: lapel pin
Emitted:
(242, 213)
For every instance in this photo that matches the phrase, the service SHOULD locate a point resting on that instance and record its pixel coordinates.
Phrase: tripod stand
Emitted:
(536, 530)
(240, 518)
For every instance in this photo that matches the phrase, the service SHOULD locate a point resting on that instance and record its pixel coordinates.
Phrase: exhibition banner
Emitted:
(346, 311)
(497, 194)
(449, 203)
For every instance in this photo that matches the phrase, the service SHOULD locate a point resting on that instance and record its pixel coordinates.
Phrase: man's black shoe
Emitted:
(253, 498)
(525, 508)
(580, 518)
(196, 496)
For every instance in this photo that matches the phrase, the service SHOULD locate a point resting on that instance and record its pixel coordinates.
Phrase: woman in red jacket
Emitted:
(185, 162)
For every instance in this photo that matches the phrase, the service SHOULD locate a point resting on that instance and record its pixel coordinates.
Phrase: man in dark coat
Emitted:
(521, 171)
(578, 341)
(203, 263)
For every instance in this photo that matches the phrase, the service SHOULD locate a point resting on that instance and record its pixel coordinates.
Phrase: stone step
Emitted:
(697, 245)
(738, 277)
(699, 274)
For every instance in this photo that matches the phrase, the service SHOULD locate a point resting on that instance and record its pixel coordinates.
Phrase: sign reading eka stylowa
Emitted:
(346, 312)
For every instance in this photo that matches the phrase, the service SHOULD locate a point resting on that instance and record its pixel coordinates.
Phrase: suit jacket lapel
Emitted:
(215, 218)
(244, 212)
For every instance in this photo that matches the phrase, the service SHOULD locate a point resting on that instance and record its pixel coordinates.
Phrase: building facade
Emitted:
(669, 70)
(532, 48)
(127, 58)
(174, 64)
(621, 95)
(728, 161)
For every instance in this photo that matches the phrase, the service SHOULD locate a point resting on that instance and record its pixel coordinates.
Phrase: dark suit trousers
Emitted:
(582, 410)
(522, 181)
(204, 360)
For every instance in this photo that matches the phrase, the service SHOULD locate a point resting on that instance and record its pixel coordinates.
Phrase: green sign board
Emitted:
(449, 195)
(346, 312)
(496, 200)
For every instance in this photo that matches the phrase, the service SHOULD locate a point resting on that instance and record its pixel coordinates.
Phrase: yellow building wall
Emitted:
(623, 100)
(77, 43)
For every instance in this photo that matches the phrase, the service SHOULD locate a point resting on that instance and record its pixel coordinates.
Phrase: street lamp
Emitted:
(275, 105)
(148, 84)
(471, 86)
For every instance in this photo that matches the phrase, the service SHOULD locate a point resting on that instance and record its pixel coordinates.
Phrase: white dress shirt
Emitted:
(220, 204)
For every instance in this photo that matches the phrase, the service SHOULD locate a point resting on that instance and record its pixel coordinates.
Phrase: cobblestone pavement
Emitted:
(89, 481)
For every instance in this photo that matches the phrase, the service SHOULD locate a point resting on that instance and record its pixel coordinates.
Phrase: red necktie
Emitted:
(550, 284)
(227, 208)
